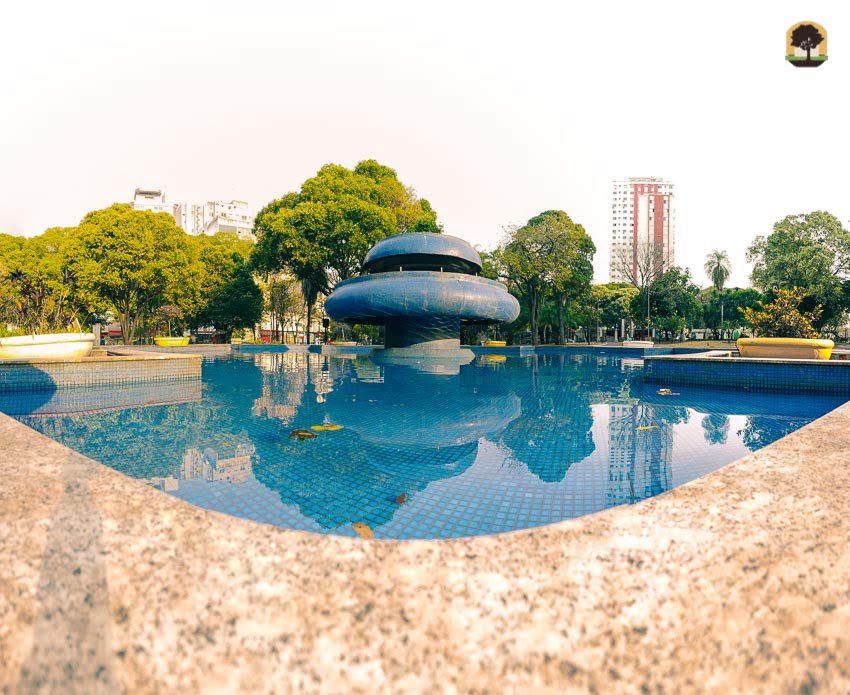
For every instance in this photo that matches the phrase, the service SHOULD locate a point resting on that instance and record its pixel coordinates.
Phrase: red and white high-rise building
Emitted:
(642, 216)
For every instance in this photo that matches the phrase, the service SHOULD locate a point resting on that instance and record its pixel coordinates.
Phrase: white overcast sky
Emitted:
(492, 111)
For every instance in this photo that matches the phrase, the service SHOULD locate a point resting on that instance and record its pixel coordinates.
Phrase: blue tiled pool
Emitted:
(504, 443)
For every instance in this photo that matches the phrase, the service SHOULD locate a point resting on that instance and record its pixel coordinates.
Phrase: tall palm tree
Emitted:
(718, 269)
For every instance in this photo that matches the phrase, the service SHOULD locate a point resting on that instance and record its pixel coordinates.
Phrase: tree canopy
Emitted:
(237, 303)
(548, 256)
(129, 261)
(135, 266)
(782, 317)
(321, 233)
(733, 301)
(36, 286)
(809, 251)
(718, 268)
(673, 303)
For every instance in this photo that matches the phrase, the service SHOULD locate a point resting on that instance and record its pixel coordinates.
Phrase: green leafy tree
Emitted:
(282, 297)
(718, 269)
(321, 234)
(129, 262)
(549, 256)
(672, 301)
(36, 286)
(213, 260)
(812, 252)
(733, 301)
(236, 304)
(605, 306)
(573, 263)
(782, 317)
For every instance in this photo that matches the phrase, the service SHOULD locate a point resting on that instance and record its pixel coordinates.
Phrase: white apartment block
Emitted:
(642, 213)
(210, 218)
(232, 217)
(190, 217)
(152, 199)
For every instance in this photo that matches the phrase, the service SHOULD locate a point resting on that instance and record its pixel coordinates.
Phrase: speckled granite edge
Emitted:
(737, 581)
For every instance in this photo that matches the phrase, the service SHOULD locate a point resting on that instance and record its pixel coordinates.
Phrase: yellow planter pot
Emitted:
(167, 341)
(786, 348)
(53, 346)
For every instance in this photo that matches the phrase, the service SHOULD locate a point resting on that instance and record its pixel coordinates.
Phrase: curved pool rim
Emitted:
(691, 585)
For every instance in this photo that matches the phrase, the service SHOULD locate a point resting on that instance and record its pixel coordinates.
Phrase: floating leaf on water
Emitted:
(363, 530)
(302, 434)
(401, 499)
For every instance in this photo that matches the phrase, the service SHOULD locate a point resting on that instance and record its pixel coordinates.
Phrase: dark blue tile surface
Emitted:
(506, 443)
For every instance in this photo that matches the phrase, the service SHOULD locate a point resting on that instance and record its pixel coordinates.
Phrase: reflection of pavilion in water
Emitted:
(207, 466)
(640, 453)
(402, 430)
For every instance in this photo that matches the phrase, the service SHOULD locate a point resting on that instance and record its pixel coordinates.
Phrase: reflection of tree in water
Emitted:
(554, 430)
(151, 442)
(338, 478)
(715, 428)
(762, 430)
(402, 431)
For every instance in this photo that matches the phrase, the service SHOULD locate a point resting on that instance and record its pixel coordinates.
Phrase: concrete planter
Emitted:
(57, 346)
(786, 348)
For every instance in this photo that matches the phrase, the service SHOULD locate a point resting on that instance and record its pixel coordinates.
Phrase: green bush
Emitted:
(11, 332)
(782, 317)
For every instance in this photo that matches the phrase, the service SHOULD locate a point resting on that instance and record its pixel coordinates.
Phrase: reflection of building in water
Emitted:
(291, 378)
(267, 405)
(208, 466)
(322, 378)
(640, 452)
(284, 380)
(367, 371)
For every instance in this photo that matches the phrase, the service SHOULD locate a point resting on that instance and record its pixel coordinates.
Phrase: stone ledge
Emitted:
(737, 581)
(117, 366)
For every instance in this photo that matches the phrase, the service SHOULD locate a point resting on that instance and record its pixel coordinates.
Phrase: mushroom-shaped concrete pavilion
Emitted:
(421, 287)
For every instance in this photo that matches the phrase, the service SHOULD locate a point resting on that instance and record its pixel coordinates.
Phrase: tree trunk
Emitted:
(127, 328)
(309, 319)
(535, 318)
(562, 338)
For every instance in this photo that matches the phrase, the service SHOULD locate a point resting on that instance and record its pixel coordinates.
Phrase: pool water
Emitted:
(503, 443)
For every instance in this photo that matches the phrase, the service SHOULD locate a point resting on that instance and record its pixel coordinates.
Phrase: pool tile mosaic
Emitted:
(809, 376)
(500, 445)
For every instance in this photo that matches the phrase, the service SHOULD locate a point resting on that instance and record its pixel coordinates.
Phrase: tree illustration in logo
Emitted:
(806, 37)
